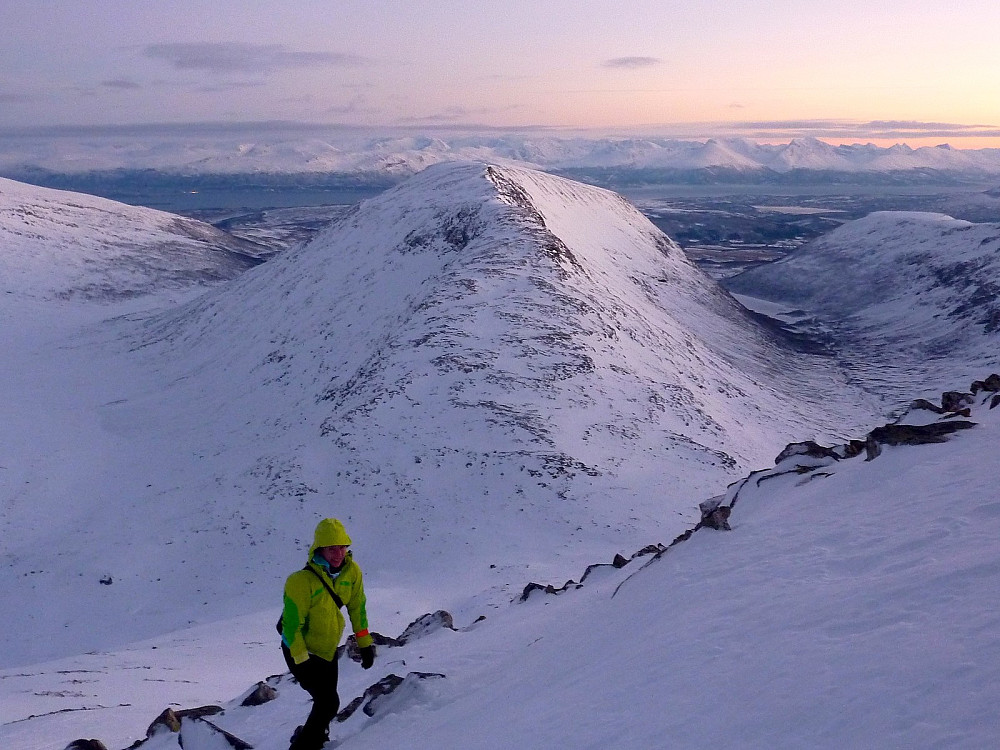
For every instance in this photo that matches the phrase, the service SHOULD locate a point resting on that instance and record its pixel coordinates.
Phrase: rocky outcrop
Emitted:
(260, 694)
(170, 720)
(905, 434)
(86, 745)
(375, 695)
(427, 624)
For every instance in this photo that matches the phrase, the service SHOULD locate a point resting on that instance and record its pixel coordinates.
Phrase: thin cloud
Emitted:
(121, 83)
(631, 63)
(881, 129)
(452, 115)
(222, 88)
(232, 57)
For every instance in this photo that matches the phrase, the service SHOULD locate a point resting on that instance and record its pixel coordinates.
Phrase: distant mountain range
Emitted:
(348, 152)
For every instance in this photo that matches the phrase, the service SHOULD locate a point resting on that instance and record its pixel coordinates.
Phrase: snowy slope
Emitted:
(851, 605)
(58, 245)
(486, 362)
(914, 295)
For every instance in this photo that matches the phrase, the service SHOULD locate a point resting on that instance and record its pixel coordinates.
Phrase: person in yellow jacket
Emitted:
(312, 625)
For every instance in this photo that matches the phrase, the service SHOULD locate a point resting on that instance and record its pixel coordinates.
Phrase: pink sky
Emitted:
(641, 64)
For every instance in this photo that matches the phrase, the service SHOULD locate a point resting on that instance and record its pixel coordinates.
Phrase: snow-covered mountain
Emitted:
(315, 149)
(913, 294)
(484, 359)
(58, 245)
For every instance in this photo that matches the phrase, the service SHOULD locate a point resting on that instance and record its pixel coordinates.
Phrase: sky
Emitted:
(915, 71)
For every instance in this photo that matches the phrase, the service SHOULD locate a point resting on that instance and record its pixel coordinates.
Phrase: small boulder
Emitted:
(955, 400)
(262, 693)
(86, 745)
(170, 719)
(991, 384)
(427, 624)
(904, 434)
(806, 448)
(375, 694)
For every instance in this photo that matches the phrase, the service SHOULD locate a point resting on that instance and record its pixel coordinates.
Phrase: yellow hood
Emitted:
(329, 533)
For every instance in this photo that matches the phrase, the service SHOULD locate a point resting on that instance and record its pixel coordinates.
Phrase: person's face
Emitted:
(334, 555)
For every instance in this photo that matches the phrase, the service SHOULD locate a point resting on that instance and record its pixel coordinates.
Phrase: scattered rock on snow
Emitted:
(991, 384)
(262, 693)
(170, 719)
(904, 434)
(200, 732)
(427, 624)
(956, 400)
(806, 448)
(374, 695)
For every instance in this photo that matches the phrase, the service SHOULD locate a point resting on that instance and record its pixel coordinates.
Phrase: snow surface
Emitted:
(399, 372)
(851, 606)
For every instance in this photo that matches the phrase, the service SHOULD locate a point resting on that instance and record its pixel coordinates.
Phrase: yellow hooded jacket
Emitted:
(311, 622)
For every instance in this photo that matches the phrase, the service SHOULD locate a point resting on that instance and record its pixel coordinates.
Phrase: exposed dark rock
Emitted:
(548, 589)
(903, 434)
(991, 384)
(994, 401)
(851, 449)
(718, 519)
(956, 400)
(204, 726)
(261, 694)
(649, 549)
(618, 563)
(427, 624)
(806, 448)
(86, 745)
(922, 404)
(171, 719)
(372, 695)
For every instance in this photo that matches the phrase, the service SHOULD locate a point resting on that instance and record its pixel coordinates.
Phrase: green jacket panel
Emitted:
(312, 623)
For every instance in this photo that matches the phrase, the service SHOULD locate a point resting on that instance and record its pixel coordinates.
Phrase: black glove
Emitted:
(367, 657)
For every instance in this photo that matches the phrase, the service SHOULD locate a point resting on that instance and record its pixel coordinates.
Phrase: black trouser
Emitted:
(318, 677)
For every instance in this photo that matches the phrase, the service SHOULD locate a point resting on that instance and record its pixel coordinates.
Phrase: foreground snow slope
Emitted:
(852, 605)
(913, 298)
(488, 373)
(57, 245)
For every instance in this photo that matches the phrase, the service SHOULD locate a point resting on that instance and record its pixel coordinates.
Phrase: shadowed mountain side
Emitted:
(913, 298)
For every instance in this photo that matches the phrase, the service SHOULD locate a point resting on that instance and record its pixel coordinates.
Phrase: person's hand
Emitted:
(367, 657)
